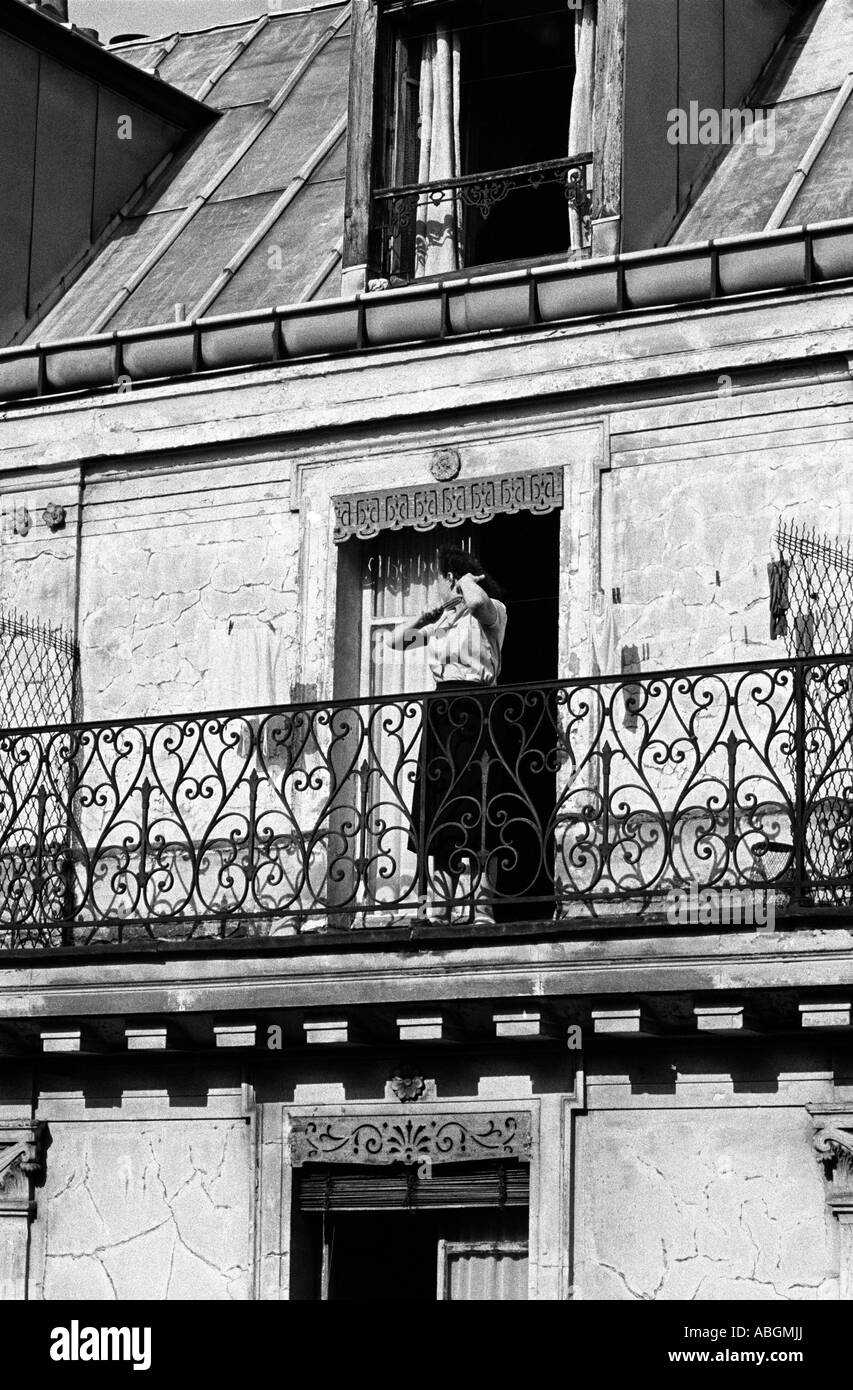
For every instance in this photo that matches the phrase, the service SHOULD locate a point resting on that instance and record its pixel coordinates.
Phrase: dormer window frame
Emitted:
(365, 251)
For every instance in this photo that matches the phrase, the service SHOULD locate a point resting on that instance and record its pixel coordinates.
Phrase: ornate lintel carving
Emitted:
(449, 503)
(23, 1152)
(442, 1138)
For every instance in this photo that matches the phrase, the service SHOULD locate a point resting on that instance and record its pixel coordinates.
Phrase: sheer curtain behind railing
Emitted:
(580, 118)
(438, 233)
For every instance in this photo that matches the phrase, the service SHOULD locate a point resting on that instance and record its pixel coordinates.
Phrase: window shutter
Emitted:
(398, 1187)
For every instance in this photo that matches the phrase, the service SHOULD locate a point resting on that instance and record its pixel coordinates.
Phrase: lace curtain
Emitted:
(438, 230)
(580, 118)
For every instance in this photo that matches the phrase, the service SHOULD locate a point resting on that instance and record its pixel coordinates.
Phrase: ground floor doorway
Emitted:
(405, 1233)
(422, 1257)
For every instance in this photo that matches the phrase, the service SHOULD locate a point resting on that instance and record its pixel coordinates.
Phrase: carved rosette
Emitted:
(445, 465)
(407, 1087)
(389, 1139)
(23, 1150)
(54, 516)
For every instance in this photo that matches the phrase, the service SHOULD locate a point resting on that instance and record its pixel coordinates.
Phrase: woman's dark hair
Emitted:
(453, 560)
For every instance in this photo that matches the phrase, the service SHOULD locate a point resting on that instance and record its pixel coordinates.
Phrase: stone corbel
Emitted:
(23, 1152)
(833, 1144)
(23, 1146)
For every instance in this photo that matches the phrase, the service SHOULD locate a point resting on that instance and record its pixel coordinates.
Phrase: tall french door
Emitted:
(398, 582)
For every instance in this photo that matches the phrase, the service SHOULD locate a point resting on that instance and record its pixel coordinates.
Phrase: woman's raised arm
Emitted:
(477, 601)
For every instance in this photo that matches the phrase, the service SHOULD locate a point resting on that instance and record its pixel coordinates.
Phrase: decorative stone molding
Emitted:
(446, 504)
(833, 1145)
(833, 1142)
(54, 516)
(388, 1139)
(407, 1086)
(23, 1149)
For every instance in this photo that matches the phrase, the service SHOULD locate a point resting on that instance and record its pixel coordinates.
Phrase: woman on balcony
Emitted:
(455, 777)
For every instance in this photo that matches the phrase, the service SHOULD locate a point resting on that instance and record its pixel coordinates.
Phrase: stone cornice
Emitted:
(163, 981)
(637, 353)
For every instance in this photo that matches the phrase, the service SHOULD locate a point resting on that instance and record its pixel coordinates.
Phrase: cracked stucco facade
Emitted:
(676, 507)
(690, 511)
(169, 557)
(156, 1210)
(685, 1177)
(697, 1178)
(187, 521)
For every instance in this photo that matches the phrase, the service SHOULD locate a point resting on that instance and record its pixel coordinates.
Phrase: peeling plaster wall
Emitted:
(168, 557)
(699, 490)
(153, 1210)
(172, 550)
(701, 1204)
(38, 568)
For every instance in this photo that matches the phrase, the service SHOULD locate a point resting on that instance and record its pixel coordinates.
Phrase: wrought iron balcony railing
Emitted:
(398, 209)
(574, 802)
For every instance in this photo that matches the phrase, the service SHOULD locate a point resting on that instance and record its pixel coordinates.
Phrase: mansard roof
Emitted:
(806, 174)
(251, 213)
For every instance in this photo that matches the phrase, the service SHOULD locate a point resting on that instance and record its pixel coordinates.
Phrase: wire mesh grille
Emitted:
(817, 581)
(38, 672)
(38, 687)
(815, 605)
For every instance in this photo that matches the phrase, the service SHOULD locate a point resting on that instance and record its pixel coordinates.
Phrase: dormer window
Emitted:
(476, 158)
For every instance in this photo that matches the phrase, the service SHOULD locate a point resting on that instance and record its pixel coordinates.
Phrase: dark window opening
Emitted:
(475, 89)
(389, 1234)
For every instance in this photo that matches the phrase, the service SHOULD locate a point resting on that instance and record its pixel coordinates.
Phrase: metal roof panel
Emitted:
(281, 265)
(129, 246)
(271, 57)
(318, 100)
(750, 179)
(828, 188)
(196, 56)
(193, 261)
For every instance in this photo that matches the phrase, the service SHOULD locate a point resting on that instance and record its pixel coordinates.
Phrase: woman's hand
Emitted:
(477, 600)
(409, 633)
(429, 615)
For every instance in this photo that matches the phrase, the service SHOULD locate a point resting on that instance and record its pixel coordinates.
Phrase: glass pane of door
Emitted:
(398, 583)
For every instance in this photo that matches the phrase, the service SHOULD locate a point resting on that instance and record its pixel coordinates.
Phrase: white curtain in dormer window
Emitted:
(438, 246)
(580, 118)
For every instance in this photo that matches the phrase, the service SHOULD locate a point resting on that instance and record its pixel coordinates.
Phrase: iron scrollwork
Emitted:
(309, 817)
(483, 192)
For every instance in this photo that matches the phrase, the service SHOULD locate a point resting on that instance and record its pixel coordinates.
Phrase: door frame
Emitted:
(551, 1176)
